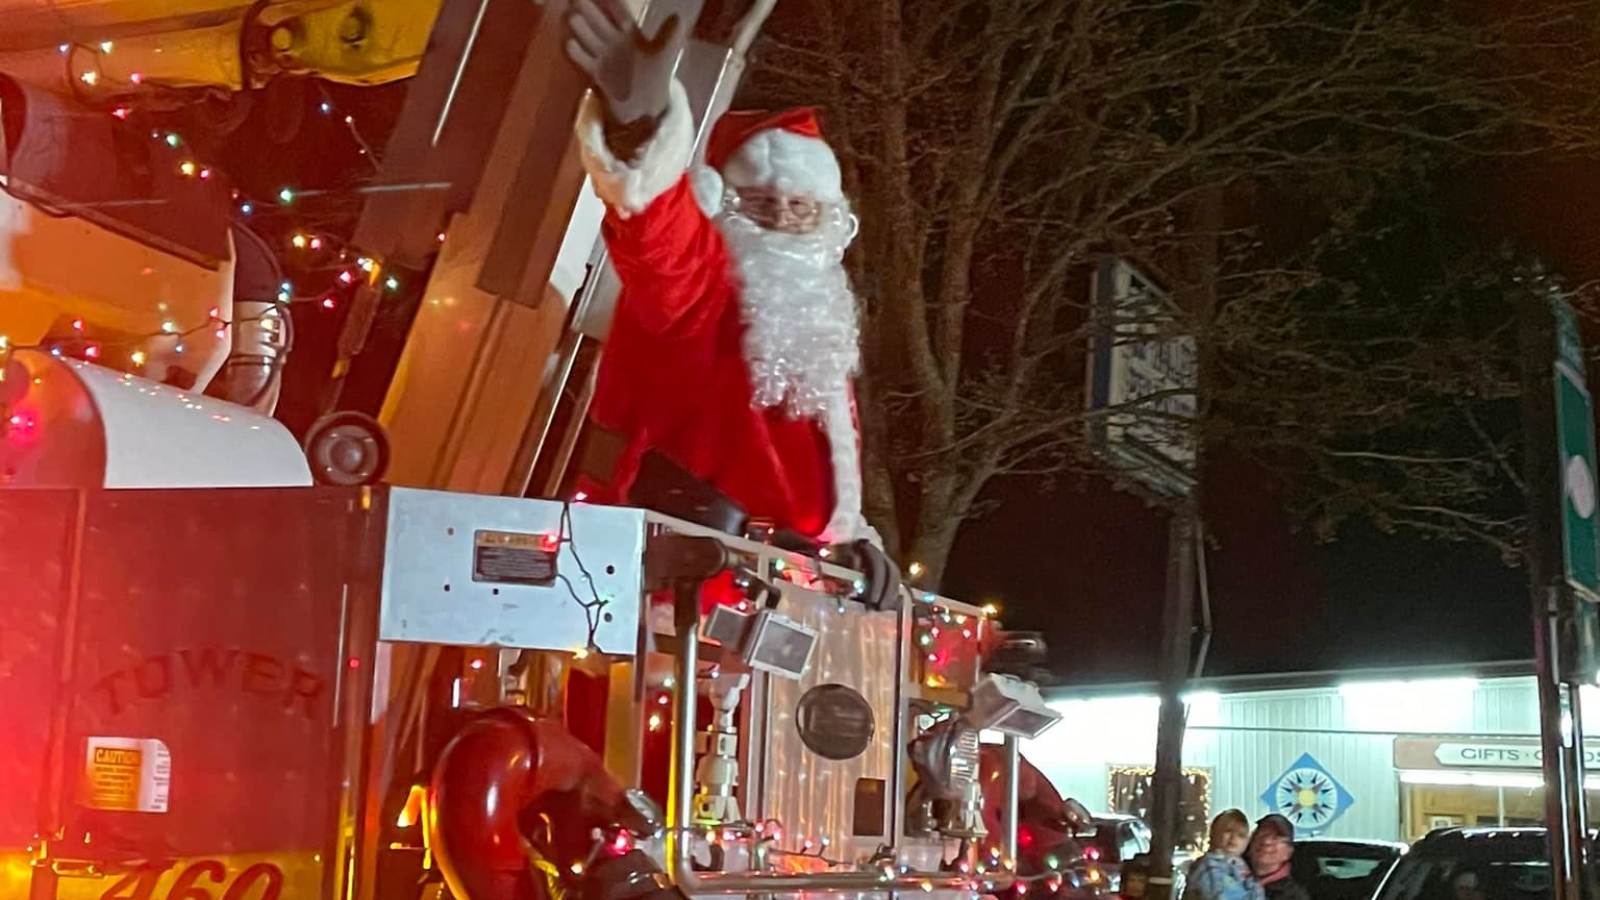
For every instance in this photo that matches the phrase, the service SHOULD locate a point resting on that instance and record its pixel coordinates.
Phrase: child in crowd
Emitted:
(1222, 874)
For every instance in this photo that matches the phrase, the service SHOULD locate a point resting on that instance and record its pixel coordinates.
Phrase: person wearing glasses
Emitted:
(1271, 847)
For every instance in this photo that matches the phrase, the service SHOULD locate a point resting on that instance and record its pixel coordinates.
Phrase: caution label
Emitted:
(126, 774)
(503, 557)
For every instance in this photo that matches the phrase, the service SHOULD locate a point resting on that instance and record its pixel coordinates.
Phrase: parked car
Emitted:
(1343, 869)
(1508, 863)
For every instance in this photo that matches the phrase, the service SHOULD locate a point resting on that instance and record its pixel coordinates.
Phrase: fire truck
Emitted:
(236, 664)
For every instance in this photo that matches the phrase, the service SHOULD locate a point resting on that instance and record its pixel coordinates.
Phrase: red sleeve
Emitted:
(672, 262)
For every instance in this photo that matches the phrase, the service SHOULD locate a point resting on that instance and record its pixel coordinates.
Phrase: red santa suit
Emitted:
(721, 355)
(732, 348)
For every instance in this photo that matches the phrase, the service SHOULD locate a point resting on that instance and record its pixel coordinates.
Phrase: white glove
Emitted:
(845, 528)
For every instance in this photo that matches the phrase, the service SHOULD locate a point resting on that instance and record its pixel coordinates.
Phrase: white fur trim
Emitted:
(631, 186)
(787, 162)
(708, 188)
(844, 445)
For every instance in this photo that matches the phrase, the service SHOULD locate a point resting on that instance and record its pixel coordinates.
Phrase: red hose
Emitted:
(493, 782)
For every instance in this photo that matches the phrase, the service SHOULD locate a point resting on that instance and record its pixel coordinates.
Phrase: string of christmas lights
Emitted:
(136, 104)
(771, 831)
(300, 240)
(594, 607)
(92, 349)
(285, 197)
(326, 107)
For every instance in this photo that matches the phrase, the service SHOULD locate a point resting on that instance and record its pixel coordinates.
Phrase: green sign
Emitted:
(1575, 421)
(1580, 528)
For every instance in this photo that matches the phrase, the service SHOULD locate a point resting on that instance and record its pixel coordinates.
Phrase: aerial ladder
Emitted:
(255, 694)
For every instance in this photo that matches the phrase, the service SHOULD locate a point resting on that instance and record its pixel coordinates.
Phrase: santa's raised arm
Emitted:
(735, 340)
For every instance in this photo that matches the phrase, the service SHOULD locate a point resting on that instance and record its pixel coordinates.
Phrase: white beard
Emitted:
(802, 337)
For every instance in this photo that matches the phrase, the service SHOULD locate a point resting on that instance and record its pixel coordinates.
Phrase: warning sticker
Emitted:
(510, 558)
(128, 774)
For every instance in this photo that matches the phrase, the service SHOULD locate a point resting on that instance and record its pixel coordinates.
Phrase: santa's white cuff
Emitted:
(630, 186)
(708, 189)
(844, 453)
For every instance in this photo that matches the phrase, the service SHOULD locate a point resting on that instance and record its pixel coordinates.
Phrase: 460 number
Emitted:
(206, 879)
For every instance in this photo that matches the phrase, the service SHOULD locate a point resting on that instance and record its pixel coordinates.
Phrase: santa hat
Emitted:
(784, 151)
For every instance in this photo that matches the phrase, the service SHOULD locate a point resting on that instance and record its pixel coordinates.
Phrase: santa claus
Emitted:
(735, 339)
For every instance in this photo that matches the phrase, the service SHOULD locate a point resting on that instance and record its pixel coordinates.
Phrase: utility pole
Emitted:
(1563, 561)
(1177, 629)
(1134, 368)
(1184, 536)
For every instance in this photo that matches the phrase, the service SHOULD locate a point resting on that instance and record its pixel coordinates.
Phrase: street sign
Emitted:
(1142, 382)
(1575, 427)
(1580, 528)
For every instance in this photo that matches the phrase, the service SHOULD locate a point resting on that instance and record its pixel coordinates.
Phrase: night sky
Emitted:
(1086, 564)
(1088, 568)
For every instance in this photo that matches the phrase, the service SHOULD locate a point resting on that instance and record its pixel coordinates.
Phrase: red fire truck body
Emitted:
(220, 682)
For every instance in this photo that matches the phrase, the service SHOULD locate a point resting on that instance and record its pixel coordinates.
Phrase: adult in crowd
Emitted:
(1271, 847)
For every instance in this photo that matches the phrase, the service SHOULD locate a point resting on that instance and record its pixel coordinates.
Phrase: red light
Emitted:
(477, 663)
(354, 663)
(92, 351)
(137, 78)
(347, 277)
(22, 424)
(77, 324)
(579, 497)
(1022, 888)
(121, 112)
(550, 542)
(328, 303)
(1092, 853)
(215, 313)
(621, 844)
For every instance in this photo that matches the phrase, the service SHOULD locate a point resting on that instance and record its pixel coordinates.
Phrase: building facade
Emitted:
(1386, 758)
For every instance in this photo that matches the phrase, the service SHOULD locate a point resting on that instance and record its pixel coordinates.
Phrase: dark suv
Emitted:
(1343, 870)
(1504, 864)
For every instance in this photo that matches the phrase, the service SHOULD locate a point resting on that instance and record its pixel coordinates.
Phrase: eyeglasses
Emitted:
(795, 214)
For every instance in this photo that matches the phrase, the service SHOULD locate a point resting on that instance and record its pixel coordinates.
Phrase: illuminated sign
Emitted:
(1142, 381)
(1500, 756)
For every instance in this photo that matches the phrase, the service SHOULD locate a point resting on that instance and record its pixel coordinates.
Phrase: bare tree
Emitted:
(1388, 385)
(996, 147)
